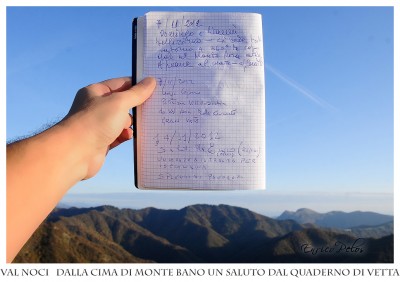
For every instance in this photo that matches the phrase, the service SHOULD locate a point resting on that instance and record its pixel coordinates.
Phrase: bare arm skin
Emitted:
(41, 169)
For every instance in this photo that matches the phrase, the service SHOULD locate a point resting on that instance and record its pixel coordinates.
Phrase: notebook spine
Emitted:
(134, 75)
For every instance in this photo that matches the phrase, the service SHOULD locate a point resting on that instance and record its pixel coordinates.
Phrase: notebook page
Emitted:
(204, 127)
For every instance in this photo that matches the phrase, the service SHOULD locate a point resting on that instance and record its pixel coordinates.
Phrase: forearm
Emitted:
(40, 170)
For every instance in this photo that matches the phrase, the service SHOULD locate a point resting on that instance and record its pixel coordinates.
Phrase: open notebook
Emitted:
(204, 126)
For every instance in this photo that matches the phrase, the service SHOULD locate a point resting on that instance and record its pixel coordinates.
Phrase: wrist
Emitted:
(75, 144)
(89, 153)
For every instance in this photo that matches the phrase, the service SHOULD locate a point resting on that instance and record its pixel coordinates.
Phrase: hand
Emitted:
(42, 168)
(100, 116)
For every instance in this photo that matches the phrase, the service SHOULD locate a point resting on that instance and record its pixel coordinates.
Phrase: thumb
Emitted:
(140, 92)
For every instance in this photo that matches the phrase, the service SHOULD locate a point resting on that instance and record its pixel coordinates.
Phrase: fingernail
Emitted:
(148, 81)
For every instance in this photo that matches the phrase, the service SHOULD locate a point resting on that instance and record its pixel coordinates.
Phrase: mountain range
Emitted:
(337, 219)
(194, 234)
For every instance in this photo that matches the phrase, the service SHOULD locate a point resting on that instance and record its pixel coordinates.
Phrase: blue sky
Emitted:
(329, 101)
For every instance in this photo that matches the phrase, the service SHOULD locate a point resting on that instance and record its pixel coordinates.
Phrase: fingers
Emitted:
(117, 84)
(109, 86)
(133, 96)
(129, 121)
(139, 93)
(126, 134)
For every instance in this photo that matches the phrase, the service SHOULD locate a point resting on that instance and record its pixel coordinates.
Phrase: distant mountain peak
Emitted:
(305, 210)
(336, 219)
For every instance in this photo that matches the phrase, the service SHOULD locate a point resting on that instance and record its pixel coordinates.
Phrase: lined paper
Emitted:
(204, 127)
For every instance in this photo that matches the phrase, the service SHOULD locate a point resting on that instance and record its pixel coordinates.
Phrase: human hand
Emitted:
(54, 160)
(100, 119)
